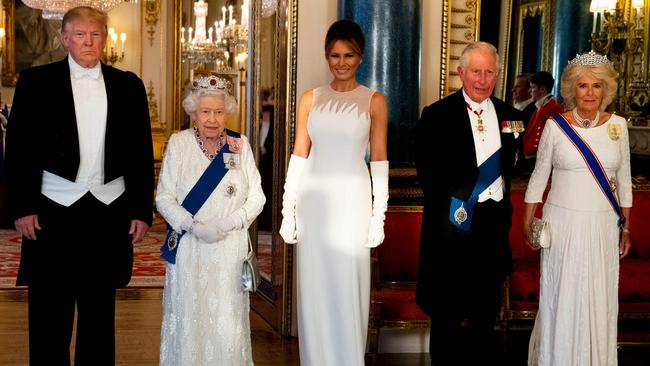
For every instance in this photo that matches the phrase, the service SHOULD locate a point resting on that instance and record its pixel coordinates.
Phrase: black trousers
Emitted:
(462, 326)
(79, 258)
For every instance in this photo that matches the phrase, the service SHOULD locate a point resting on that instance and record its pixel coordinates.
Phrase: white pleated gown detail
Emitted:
(578, 310)
(333, 213)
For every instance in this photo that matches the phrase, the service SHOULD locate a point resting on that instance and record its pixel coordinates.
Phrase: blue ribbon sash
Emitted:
(461, 212)
(195, 199)
(594, 165)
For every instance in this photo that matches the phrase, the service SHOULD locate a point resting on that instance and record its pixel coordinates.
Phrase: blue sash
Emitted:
(593, 164)
(461, 212)
(195, 199)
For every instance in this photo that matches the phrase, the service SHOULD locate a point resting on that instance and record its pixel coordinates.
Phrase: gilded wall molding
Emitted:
(460, 26)
(153, 107)
(151, 10)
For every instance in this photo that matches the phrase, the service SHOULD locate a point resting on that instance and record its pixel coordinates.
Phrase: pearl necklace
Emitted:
(204, 149)
(585, 122)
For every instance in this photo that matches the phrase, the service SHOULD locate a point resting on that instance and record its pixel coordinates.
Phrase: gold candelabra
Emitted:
(618, 32)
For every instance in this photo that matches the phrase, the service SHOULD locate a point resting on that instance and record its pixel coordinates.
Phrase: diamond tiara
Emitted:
(590, 58)
(211, 83)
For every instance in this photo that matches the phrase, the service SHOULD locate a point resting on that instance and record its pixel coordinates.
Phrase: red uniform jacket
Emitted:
(533, 133)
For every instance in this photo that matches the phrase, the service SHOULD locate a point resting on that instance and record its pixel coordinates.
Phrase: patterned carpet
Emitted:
(148, 268)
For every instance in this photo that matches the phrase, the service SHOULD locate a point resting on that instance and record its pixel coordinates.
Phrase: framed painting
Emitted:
(29, 40)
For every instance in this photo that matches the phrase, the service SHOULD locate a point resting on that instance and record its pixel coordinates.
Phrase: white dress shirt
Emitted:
(486, 143)
(91, 106)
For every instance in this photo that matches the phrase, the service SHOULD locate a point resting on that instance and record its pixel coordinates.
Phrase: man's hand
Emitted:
(27, 226)
(138, 229)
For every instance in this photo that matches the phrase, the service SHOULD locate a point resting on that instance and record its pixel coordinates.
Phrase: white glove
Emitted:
(379, 174)
(229, 223)
(288, 226)
(208, 232)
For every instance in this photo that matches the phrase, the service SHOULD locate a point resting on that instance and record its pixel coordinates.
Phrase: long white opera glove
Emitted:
(208, 232)
(379, 174)
(288, 226)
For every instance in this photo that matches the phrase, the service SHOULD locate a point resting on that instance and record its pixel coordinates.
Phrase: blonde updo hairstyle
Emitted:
(191, 101)
(603, 72)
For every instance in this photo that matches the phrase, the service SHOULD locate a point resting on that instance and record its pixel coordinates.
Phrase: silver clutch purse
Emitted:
(250, 274)
(541, 234)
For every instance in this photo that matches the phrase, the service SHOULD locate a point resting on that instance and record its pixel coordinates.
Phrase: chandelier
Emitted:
(55, 9)
(269, 7)
(217, 44)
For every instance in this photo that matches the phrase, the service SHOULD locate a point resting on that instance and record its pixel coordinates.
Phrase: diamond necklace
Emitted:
(204, 149)
(585, 122)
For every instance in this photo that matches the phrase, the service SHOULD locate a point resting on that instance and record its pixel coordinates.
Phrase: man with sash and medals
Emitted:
(209, 192)
(465, 154)
(587, 210)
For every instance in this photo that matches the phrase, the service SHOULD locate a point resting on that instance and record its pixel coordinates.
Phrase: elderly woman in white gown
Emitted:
(588, 221)
(205, 310)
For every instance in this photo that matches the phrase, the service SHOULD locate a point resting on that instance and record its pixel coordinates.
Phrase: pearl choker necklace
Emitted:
(585, 122)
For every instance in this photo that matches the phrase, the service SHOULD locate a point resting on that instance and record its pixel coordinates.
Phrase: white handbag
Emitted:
(541, 234)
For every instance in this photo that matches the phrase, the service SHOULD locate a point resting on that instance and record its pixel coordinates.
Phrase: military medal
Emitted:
(460, 215)
(614, 131)
(512, 126)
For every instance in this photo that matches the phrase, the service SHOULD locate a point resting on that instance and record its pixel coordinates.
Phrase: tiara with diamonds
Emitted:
(590, 58)
(211, 83)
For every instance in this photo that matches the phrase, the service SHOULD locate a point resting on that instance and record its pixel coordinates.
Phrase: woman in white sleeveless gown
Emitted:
(328, 205)
(576, 323)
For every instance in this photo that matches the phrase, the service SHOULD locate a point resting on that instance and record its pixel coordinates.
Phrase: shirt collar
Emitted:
(475, 106)
(78, 72)
(540, 102)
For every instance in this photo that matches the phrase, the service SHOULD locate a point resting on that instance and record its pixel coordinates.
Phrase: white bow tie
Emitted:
(81, 73)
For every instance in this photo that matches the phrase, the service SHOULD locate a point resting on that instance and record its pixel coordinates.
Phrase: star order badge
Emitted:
(460, 215)
(173, 240)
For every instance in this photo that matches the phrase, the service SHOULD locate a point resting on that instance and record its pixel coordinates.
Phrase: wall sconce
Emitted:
(112, 55)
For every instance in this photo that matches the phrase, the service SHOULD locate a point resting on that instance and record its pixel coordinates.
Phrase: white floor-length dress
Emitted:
(205, 311)
(578, 311)
(333, 213)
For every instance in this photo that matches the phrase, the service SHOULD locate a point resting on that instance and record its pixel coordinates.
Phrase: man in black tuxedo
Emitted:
(79, 164)
(464, 249)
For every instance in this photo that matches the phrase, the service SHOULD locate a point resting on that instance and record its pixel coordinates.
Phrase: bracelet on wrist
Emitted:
(625, 230)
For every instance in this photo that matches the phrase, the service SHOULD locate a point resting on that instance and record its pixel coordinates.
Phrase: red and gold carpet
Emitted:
(148, 268)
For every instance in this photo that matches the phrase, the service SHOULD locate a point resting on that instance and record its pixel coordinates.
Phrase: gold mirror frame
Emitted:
(274, 300)
(9, 75)
(531, 9)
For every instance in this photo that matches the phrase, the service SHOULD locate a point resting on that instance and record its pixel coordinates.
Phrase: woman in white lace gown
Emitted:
(205, 310)
(578, 307)
(328, 207)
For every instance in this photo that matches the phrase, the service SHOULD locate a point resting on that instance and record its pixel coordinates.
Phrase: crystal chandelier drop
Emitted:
(55, 9)
(269, 7)
(216, 44)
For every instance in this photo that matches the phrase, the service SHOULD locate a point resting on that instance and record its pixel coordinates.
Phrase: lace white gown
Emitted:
(333, 213)
(205, 311)
(578, 310)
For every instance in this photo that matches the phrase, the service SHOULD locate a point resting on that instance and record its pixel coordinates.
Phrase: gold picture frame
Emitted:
(29, 40)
